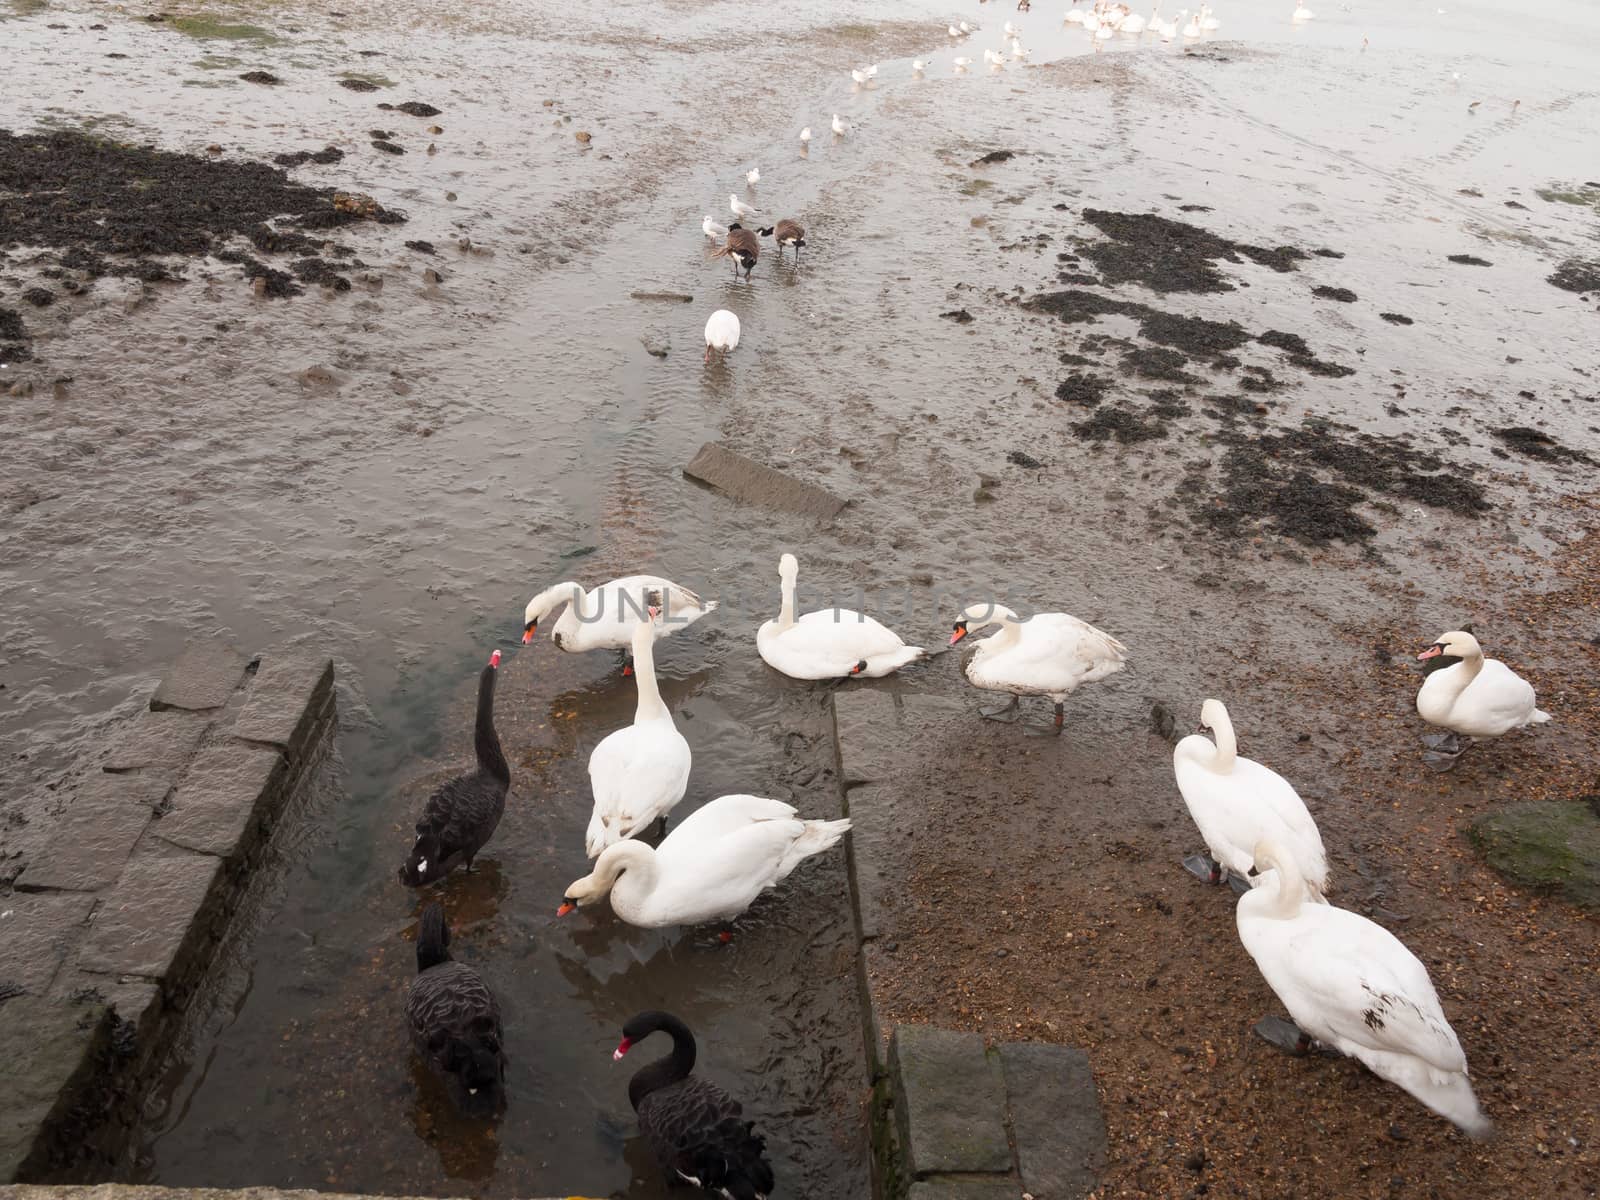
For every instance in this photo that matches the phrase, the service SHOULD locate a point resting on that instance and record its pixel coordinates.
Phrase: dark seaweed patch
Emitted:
(358, 85)
(1118, 423)
(1172, 256)
(1158, 362)
(1470, 260)
(39, 297)
(1576, 275)
(1342, 295)
(1079, 388)
(265, 77)
(1535, 444)
(314, 270)
(1397, 319)
(328, 154)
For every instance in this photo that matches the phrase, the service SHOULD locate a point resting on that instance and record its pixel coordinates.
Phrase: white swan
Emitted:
(710, 868)
(1208, 19)
(753, 176)
(1074, 17)
(918, 66)
(1477, 697)
(638, 773)
(830, 643)
(1236, 802)
(712, 230)
(1133, 24)
(839, 126)
(722, 332)
(1352, 985)
(1049, 654)
(603, 619)
(1302, 13)
(1192, 28)
(962, 63)
(858, 76)
(805, 134)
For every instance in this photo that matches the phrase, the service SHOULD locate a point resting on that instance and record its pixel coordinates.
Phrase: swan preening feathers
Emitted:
(722, 333)
(1049, 654)
(1236, 803)
(711, 867)
(1352, 985)
(831, 643)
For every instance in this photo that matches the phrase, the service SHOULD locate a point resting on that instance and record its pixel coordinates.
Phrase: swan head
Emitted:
(473, 1058)
(788, 568)
(1213, 713)
(1457, 643)
(1285, 899)
(608, 868)
(976, 616)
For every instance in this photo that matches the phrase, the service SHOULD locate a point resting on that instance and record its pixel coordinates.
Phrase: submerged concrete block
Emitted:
(228, 786)
(287, 698)
(872, 836)
(949, 1102)
(35, 934)
(158, 742)
(1056, 1119)
(205, 675)
(50, 1049)
(745, 479)
(95, 835)
(970, 1187)
(143, 925)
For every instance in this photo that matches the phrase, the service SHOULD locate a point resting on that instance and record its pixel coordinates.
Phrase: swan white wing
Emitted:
(1283, 818)
(638, 773)
(1053, 655)
(1350, 982)
(826, 644)
(716, 819)
(611, 610)
(722, 875)
(1498, 698)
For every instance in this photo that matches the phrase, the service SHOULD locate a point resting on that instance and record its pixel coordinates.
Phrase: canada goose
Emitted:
(789, 233)
(742, 246)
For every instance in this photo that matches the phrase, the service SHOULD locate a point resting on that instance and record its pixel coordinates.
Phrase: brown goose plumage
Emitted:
(789, 233)
(742, 246)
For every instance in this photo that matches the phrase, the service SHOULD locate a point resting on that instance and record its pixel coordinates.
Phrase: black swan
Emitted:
(455, 1022)
(693, 1125)
(462, 814)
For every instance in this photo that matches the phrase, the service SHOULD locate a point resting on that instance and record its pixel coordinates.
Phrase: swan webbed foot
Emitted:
(1204, 868)
(1284, 1035)
(1439, 761)
(1004, 713)
(1445, 742)
(1240, 887)
(1042, 731)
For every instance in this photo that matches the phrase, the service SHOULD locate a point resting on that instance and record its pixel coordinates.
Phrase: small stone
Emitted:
(450, 196)
(429, 275)
(583, 136)
(214, 148)
(435, 129)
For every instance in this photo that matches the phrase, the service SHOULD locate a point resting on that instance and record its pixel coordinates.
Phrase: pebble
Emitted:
(583, 136)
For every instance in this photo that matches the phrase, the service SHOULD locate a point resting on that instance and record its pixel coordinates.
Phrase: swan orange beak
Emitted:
(1432, 651)
(527, 633)
(566, 907)
(957, 635)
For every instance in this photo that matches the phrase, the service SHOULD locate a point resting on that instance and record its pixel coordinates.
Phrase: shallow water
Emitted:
(506, 428)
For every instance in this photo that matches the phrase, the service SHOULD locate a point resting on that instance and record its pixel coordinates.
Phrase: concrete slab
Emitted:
(226, 788)
(36, 931)
(145, 921)
(754, 483)
(158, 742)
(872, 728)
(1056, 1119)
(871, 827)
(969, 1187)
(49, 1048)
(205, 675)
(949, 1102)
(94, 837)
(287, 697)
(126, 1191)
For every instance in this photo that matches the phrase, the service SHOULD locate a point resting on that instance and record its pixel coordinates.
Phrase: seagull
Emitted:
(1302, 13)
(872, 70)
(962, 63)
(1016, 49)
(1010, 30)
(712, 230)
(964, 27)
(805, 134)
(739, 208)
(753, 176)
(838, 125)
(858, 75)
(918, 65)
(954, 32)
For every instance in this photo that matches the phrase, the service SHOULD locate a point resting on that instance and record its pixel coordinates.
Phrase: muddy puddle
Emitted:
(391, 471)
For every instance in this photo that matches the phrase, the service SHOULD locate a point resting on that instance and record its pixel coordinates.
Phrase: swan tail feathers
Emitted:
(1539, 717)
(815, 837)
(598, 836)
(885, 664)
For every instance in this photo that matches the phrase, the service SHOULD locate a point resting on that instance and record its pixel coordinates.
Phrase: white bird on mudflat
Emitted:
(1477, 697)
(739, 208)
(1192, 29)
(712, 230)
(1208, 19)
(1302, 13)
(1075, 17)
(603, 617)
(872, 70)
(1016, 49)
(1352, 985)
(831, 643)
(1009, 29)
(805, 134)
(993, 58)
(918, 65)
(954, 32)
(965, 28)
(1133, 24)
(1106, 31)
(858, 75)
(1237, 802)
(722, 333)
(1049, 654)
(753, 176)
(962, 63)
(839, 126)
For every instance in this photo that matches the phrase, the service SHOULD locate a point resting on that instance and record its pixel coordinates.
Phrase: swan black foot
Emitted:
(1204, 868)
(1439, 761)
(1239, 887)
(1004, 713)
(1285, 1035)
(1051, 730)
(1446, 742)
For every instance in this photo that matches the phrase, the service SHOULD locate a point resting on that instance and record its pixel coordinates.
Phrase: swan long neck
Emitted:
(1227, 744)
(433, 938)
(1010, 628)
(491, 759)
(1291, 887)
(552, 597)
(650, 706)
(786, 609)
(627, 869)
(668, 1069)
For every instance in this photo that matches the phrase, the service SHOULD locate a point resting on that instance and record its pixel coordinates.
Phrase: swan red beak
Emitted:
(622, 1048)
(494, 659)
(566, 907)
(1432, 651)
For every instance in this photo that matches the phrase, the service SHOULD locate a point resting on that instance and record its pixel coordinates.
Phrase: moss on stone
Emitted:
(1553, 845)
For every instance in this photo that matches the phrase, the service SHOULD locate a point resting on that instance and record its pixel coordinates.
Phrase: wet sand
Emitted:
(392, 471)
